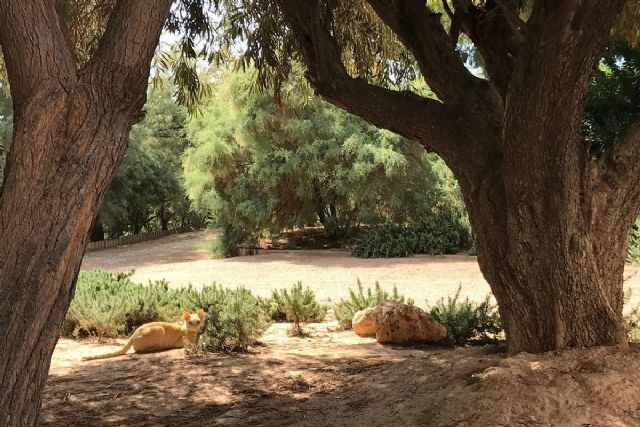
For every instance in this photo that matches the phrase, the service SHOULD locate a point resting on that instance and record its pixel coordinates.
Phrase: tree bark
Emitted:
(551, 223)
(558, 282)
(70, 132)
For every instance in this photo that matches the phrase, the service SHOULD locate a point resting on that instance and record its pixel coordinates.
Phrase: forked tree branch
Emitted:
(431, 122)
(33, 26)
(496, 35)
(421, 31)
(619, 168)
(126, 49)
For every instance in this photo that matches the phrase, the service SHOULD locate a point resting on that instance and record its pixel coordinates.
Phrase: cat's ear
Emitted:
(201, 314)
(186, 316)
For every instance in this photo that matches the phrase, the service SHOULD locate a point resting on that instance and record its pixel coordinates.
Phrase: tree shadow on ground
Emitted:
(327, 258)
(397, 386)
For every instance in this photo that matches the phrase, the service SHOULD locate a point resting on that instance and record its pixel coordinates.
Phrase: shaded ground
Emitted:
(332, 378)
(329, 273)
(336, 378)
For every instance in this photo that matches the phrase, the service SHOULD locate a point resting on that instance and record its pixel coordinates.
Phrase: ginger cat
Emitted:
(158, 336)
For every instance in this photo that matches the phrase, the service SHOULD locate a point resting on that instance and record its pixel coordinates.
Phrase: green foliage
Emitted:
(613, 100)
(234, 324)
(467, 320)
(359, 300)
(633, 243)
(442, 233)
(147, 192)
(297, 305)
(110, 304)
(632, 319)
(258, 165)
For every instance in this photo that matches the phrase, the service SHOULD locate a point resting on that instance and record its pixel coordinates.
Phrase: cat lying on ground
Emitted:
(158, 336)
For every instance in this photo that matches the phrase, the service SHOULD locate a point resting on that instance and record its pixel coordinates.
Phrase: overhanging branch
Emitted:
(498, 33)
(619, 168)
(421, 31)
(435, 124)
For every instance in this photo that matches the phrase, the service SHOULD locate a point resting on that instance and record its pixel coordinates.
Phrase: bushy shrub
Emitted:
(359, 300)
(467, 320)
(110, 304)
(191, 299)
(228, 243)
(298, 305)
(234, 324)
(443, 233)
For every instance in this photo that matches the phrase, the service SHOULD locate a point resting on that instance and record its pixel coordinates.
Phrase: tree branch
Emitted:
(519, 27)
(35, 49)
(125, 51)
(421, 31)
(433, 123)
(496, 36)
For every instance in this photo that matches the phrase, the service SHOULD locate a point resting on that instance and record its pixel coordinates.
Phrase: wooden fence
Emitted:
(134, 238)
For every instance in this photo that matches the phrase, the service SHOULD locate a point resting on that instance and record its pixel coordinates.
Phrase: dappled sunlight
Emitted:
(279, 383)
(341, 379)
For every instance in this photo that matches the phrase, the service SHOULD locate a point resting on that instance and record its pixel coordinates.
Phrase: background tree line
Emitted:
(252, 163)
(260, 164)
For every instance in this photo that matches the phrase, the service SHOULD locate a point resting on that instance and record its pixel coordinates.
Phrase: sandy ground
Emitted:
(332, 378)
(329, 273)
(339, 379)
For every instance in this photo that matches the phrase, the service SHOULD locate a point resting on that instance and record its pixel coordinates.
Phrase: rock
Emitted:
(363, 323)
(398, 323)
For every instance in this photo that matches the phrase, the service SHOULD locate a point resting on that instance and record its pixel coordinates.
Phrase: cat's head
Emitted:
(192, 321)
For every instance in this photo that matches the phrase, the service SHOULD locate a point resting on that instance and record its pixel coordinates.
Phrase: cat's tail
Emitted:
(116, 353)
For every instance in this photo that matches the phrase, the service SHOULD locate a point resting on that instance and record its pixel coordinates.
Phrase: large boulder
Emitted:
(397, 323)
(363, 323)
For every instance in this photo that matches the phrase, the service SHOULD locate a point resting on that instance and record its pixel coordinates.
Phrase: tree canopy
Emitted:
(257, 164)
(147, 191)
(613, 102)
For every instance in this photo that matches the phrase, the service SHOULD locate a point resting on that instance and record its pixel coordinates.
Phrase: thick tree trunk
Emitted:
(558, 285)
(70, 132)
(551, 223)
(45, 215)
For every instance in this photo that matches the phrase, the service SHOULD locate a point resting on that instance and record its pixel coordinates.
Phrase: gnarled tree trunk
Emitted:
(70, 132)
(551, 223)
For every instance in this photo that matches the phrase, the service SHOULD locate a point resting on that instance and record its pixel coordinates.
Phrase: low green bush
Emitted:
(297, 305)
(233, 324)
(228, 243)
(443, 233)
(359, 300)
(191, 299)
(466, 320)
(111, 304)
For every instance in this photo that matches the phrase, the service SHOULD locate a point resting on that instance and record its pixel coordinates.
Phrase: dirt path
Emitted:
(329, 273)
(336, 378)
